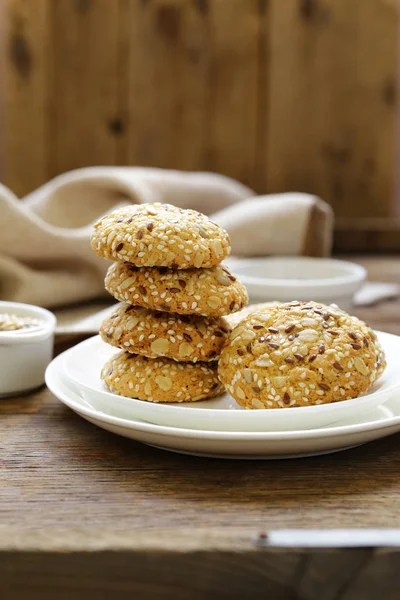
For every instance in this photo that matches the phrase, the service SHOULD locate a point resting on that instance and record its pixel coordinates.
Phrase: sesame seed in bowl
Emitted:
(26, 346)
(12, 322)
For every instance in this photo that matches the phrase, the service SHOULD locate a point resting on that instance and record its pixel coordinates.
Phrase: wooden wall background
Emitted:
(280, 94)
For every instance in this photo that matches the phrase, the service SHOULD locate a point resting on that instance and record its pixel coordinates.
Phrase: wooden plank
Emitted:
(235, 29)
(3, 62)
(26, 94)
(86, 514)
(357, 574)
(371, 236)
(167, 83)
(122, 77)
(263, 58)
(60, 471)
(331, 102)
(385, 315)
(85, 122)
(396, 211)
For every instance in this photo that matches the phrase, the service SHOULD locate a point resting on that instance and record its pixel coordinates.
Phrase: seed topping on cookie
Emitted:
(160, 379)
(160, 235)
(151, 333)
(192, 291)
(296, 358)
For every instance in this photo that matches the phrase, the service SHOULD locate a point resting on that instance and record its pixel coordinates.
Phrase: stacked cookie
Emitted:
(174, 294)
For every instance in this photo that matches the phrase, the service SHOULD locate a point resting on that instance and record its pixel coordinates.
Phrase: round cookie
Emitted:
(210, 292)
(160, 379)
(160, 235)
(152, 334)
(299, 354)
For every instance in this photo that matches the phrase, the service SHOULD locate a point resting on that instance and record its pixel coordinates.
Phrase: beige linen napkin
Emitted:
(45, 255)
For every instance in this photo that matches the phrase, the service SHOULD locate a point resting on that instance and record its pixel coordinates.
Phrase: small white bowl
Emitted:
(284, 279)
(25, 353)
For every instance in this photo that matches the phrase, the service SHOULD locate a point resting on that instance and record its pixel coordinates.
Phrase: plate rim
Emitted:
(176, 408)
(54, 369)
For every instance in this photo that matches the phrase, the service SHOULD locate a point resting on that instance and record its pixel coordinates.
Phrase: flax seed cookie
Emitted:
(210, 292)
(152, 333)
(160, 235)
(235, 318)
(299, 354)
(160, 379)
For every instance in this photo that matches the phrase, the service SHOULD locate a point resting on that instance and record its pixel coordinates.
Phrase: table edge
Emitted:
(67, 539)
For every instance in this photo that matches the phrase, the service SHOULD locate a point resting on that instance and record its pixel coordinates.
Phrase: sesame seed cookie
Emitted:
(160, 235)
(235, 318)
(152, 333)
(160, 379)
(299, 354)
(210, 292)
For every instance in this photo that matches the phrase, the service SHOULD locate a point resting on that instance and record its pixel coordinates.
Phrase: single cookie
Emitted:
(160, 379)
(210, 292)
(298, 354)
(160, 235)
(152, 334)
(235, 318)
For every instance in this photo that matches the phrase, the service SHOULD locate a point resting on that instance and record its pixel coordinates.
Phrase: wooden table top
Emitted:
(67, 486)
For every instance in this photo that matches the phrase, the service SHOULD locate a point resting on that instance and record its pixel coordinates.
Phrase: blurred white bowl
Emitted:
(284, 279)
(25, 353)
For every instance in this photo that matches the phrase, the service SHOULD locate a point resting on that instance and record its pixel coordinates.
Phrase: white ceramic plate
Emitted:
(83, 363)
(379, 423)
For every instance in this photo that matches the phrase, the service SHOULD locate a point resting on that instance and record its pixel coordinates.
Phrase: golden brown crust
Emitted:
(153, 334)
(299, 354)
(160, 379)
(210, 292)
(160, 235)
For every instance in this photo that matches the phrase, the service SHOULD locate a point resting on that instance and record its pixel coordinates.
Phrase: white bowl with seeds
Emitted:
(26, 346)
(286, 278)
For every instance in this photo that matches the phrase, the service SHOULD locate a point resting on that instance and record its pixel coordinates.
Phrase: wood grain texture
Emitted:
(167, 83)
(3, 62)
(233, 87)
(26, 85)
(121, 123)
(332, 575)
(332, 102)
(367, 236)
(192, 71)
(386, 315)
(87, 514)
(58, 470)
(84, 117)
(295, 95)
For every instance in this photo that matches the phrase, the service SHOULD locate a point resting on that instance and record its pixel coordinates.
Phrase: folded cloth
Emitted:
(45, 255)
